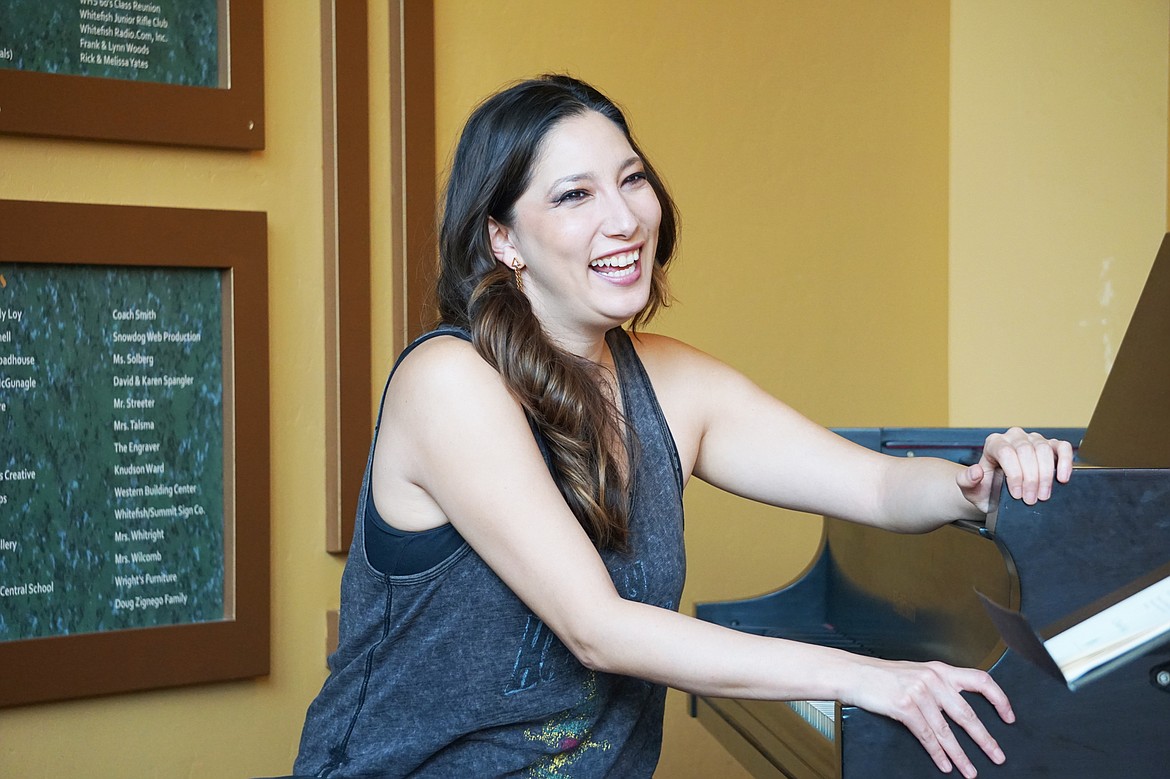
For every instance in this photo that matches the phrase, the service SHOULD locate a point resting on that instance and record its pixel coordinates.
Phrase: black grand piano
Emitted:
(913, 598)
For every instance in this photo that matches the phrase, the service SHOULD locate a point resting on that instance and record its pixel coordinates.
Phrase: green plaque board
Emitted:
(112, 469)
(161, 41)
(134, 435)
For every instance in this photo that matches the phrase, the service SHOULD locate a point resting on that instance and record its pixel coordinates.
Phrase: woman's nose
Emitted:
(620, 220)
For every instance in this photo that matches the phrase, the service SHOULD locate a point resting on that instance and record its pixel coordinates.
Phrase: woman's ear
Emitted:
(500, 238)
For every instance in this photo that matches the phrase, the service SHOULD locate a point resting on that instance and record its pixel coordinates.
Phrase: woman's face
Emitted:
(586, 230)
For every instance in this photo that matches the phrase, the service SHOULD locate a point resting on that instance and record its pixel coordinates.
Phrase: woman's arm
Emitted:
(707, 659)
(460, 437)
(751, 444)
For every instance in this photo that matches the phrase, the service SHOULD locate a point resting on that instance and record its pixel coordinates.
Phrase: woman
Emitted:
(508, 607)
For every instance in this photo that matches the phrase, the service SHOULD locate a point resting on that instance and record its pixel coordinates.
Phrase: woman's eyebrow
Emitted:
(575, 177)
(570, 180)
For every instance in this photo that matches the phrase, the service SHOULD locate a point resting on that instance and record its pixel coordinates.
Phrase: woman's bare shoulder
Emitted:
(661, 347)
(444, 360)
(444, 373)
(669, 359)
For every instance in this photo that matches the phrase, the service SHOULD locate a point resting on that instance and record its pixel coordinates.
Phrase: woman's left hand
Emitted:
(1029, 462)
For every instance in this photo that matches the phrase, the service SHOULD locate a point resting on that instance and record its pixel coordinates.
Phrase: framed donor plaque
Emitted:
(178, 72)
(134, 476)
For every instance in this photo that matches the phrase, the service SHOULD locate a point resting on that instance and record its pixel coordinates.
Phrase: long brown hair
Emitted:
(561, 393)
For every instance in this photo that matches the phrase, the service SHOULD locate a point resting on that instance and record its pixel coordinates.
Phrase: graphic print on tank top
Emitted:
(570, 734)
(541, 653)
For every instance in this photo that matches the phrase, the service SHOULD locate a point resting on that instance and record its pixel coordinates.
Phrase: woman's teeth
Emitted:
(617, 264)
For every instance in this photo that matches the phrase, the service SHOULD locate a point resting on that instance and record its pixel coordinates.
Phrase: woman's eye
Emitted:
(572, 195)
(636, 178)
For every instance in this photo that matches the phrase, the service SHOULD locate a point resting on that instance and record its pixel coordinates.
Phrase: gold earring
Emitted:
(516, 266)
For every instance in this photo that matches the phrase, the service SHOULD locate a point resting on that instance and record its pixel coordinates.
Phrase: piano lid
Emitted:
(1130, 427)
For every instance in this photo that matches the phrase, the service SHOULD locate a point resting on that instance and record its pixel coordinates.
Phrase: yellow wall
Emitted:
(1058, 199)
(807, 145)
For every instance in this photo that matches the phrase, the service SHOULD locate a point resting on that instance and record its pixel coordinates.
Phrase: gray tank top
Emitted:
(446, 673)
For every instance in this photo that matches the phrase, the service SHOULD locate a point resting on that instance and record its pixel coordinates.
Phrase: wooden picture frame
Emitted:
(230, 116)
(346, 164)
(77, 665)
(346, 156)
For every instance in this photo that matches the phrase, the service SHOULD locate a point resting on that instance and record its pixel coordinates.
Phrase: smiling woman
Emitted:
(583, 232)
(549, 206)
(509, 603)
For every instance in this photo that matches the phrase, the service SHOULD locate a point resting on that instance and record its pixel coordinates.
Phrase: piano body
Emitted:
(913, 598)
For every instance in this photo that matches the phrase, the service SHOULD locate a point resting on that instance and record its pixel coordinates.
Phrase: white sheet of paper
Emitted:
(1112, 632)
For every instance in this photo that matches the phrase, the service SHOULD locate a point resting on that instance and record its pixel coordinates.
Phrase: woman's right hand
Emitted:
(923, 696)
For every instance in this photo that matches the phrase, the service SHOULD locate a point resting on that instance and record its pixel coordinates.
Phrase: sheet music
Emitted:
(1111, 633)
